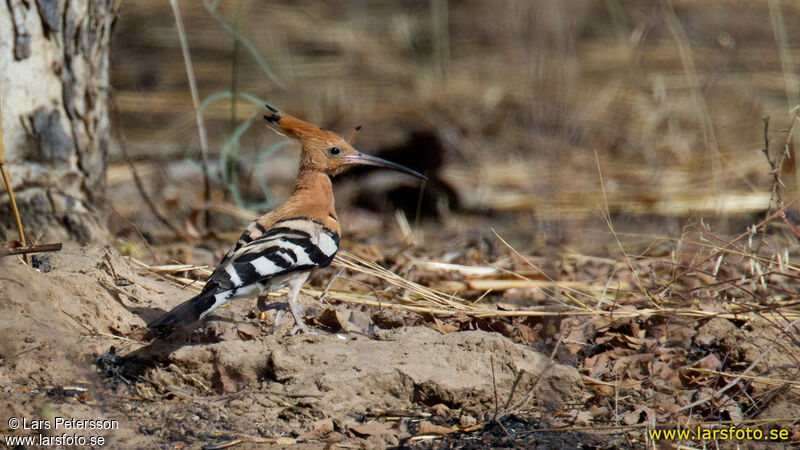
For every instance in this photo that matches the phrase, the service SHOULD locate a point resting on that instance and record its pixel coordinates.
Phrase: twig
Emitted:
(513, 389)
(22, 352)
(24, 250)
(736, 380)
(84, 326)
(775, 171)
(517, 406)
(738, 238)
(7, 182)
(775, 180)
(494, 386)
(201, 128)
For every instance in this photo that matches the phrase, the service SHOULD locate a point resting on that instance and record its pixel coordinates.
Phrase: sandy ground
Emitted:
(73, 346)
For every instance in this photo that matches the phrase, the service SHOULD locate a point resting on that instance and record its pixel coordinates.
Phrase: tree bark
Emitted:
(55, 87)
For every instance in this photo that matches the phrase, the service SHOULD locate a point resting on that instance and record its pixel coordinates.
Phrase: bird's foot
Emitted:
(300, 327)
(264, 306)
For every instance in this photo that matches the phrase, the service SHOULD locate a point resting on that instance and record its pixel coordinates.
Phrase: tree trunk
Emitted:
(54, 82)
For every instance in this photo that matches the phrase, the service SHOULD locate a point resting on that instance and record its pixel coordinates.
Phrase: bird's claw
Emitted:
(276, 321)
(297, 328)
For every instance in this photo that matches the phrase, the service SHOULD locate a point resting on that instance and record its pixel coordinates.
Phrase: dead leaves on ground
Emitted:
(650, 333)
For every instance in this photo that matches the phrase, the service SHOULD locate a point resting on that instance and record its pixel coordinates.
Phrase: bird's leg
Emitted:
(264, 306)
(294, 290)
(276, 321)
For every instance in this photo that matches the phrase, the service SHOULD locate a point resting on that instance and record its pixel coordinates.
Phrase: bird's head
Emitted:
(324, 150)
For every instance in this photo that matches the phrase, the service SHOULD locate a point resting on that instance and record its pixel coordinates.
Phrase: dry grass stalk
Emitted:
(352, 262)
(767, 381)
(201, 128)
(499, 285)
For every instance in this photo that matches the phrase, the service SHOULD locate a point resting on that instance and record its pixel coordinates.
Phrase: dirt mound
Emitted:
(337, 374)
(58, 323)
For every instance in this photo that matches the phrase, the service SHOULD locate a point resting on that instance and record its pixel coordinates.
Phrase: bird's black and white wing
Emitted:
(260, 261)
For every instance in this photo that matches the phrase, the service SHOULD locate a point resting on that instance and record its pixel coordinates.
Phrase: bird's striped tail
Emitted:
(186, 313)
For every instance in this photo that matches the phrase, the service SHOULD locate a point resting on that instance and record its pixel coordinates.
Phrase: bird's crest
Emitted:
(289, 125)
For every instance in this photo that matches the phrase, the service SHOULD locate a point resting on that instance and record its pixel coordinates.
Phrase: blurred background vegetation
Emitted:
(514, 107)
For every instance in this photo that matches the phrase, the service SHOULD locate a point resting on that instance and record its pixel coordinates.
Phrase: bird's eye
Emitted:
(333, 151)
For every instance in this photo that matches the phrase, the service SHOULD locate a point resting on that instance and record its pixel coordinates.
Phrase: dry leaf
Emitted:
(599, 411)
(352, 321)
(332, 439)
(373, 428)
(427, 428)
(444, 327)
(641, 414)
(318, 430)
(468, 428)
(692, 378)
(578, 330)
(527, 333)
(84, 397)
(710, 362)
(502, 327)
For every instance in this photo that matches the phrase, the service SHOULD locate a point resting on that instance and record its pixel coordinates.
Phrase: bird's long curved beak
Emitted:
(369, 160)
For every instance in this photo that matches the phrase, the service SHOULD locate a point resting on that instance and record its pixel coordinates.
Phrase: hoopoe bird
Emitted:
(282, 247)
